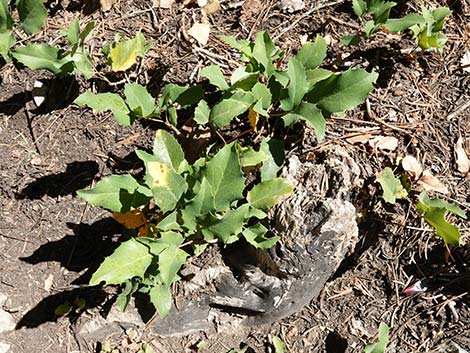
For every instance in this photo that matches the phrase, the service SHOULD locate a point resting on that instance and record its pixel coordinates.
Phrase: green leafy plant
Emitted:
(433, 211)
(31, 13)
(44, 56)
(382, 341)
(426, 27)
(178, 208)
(279, 345)
(303, 92)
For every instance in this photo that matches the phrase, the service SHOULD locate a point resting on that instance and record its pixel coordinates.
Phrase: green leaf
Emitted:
(167, 150)
(73, 32)
(170, 222)
(86, 32)
(130, 259)
(107, 101)
(202, 113)
(170, 261)
(228, 108)
(359, 7)
(139, 99)
(7, 40)
(200, 205)
(350, 39)
(167, 185)
(440, 203)
(225, 177)
(268, 193)
(391, 186)
(32, 14)
(311, 54)
(316, 75)
(274, 149)
(312, 115)
(230, 225)
(215, 76)
(382, 343)
(40, 56)
(124, 55)
(255, 235)
(344, 91)
(263, 50)
(400, 24)
(160, 297)
(263, 97)
(279, 346)
(117, 193)
(6, 21)
(435, 217)
(250, 157)
(242, 45)
(124, 297)
(297, 85)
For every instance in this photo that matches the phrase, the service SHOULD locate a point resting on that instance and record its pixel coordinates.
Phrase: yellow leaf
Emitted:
(253, 117)
(159, 173)
(131, 220)
(124, 54)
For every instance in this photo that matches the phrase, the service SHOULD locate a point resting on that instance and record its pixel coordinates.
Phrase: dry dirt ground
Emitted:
(51, 242)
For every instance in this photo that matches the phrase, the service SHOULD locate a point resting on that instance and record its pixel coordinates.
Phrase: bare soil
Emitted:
(51, 241)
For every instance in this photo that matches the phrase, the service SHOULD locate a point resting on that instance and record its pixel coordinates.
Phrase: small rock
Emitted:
(6, 321)
(4, 347)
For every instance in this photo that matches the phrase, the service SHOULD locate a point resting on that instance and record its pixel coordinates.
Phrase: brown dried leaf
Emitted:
(463, 163)
(363, 138)
(211, 7)
(411, 165)
(253, 117)
(200, 32)
(388, 143)
(430, 183)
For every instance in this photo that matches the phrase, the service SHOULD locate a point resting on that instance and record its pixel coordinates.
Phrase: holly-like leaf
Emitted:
(202, 112)
(224, 175)
(391, 186)
(32, 14)
(107, 101)
(40, 56)
(117, 193)
(309, 113)
(297, 85)
(170, 261)
(139, 99)
(167, 150)
(228, 108)
(255, 235)
(160, 297)
(342, 92)
(230, 225)
(268, 193)
(215, 76)
(124, 55)
(130, 259)
(200, 205)
(274, 150)
(167, 185)
(311, 54)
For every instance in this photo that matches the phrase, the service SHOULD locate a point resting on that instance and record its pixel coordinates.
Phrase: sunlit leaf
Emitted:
(6, 21)
(311, 54)
(202, 112)
(255, 235)
(279, 345)
(32, 14)
(170, 261)
(297, 85)
(160, 297)
(268, 193)
(40, 56)
(215, 76)
(167, 150)
(139, 99)
(391, 186)
(228, 108)
(274, 150)
(7, 40)
(124, 55)
(309, 113)
(107, 101)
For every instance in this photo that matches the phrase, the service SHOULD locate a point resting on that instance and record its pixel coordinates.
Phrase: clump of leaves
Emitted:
(426, 27)
(31, 13)
(382, 341)
(434, 211)
(178, 205)
(44, 56)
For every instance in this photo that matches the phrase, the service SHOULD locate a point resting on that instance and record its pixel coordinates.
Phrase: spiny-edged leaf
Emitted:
(391, 186)
(435, 217)
(117, 193)
(32, 14)
(170, 261)
(359, 7)
(400, 24)
(202, 112)
(124, 297)
(311, 54)
(40, 56)
(255, 235)
(440, 203)
(167, 185)
(262, 52)
(139, 99)
(268, 193)
(107, 101)
(312, 115)
(130, 259)
(215, 76)
(167, 149)
(344, 91)
(250, 157)
(230, 107)
(124, 55)
(230, 225)
(297, 85)
(317, 75)
(160, 297)
(6, 21)
(224, 175)
(279, 345)
(382, 343)
(7, 40)
(274, 149)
